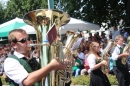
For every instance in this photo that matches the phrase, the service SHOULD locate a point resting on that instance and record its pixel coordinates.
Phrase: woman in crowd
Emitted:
(97, 78)
(84, 71)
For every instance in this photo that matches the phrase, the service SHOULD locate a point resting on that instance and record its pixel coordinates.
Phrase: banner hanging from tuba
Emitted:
(46, 23)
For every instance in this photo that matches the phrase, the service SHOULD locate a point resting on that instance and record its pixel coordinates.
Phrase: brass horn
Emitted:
(44, 20)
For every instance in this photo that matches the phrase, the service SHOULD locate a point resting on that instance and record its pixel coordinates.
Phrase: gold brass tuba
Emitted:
(126, 49)
(106, 56)
(43, 20)
(66, 75)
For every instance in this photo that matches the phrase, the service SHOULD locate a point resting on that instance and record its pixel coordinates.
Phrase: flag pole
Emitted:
(50, 4)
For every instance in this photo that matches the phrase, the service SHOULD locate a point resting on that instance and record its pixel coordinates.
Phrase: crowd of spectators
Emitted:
(81, 66)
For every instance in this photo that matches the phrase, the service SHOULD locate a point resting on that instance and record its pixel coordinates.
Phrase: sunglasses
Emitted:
(22, 40)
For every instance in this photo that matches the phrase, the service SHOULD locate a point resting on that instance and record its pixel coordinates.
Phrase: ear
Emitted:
(12, 44)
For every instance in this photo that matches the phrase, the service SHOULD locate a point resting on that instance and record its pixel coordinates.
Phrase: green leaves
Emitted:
(98, 11)
(18, 8)
(88, 10)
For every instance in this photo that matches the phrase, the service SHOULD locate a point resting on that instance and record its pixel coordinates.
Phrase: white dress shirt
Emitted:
(116, 52)
(14, 70)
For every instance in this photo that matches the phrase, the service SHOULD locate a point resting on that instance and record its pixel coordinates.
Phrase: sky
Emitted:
(4, 2)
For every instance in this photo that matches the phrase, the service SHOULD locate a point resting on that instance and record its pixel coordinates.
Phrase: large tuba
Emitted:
(106, 56)
(126, 49)
(46, 23)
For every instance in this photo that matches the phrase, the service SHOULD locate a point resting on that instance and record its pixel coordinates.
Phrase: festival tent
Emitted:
(77, 24)
(29, 29)
(74, 24)
(16, 23)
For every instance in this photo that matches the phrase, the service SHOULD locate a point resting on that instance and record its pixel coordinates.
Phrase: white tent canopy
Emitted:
(76, 24)
(29, 29)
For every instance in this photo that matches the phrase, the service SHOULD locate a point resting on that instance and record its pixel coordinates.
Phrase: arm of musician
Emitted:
(104, 62)
(92, 62)
(116, 54)
(123, 55)
(35, 76)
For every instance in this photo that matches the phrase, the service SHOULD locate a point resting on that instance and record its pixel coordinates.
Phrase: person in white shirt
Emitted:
(120, 70)
(18, 39)
(97, 77)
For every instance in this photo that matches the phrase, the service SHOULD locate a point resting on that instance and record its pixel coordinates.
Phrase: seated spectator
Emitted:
(77, 67)
(86, 68)
(81, 55)
(90, 38)
(84, 71)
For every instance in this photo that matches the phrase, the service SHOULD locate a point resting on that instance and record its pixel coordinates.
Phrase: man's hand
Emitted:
(126, 54)
(56, 64)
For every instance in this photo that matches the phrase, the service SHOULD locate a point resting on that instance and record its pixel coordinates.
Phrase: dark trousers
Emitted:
(68, 84)
(122, 75)
(0, 82)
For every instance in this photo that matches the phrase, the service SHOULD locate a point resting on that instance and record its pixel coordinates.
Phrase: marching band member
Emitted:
(17, 66)
(120, 70)
(97, 77)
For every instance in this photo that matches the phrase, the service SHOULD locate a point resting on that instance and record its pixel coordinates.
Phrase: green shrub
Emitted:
(84, 80)
(112, 79)
(80, 80)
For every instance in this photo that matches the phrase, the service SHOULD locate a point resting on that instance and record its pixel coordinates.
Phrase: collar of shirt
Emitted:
(19, 55)
(119, 46)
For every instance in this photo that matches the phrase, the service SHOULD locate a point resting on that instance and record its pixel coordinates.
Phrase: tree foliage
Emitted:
(1, 13)
(18, 8)
(108, 11)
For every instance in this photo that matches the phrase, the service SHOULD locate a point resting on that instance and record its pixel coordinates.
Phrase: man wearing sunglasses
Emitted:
(17, 68)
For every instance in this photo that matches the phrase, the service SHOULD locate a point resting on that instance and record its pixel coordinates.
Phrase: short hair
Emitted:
(12, 34)
(118, 37)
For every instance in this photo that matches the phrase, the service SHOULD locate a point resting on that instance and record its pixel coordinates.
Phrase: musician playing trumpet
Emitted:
(120, 69)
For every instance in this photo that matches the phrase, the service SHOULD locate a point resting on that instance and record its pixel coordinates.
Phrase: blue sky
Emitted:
(3, 0)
